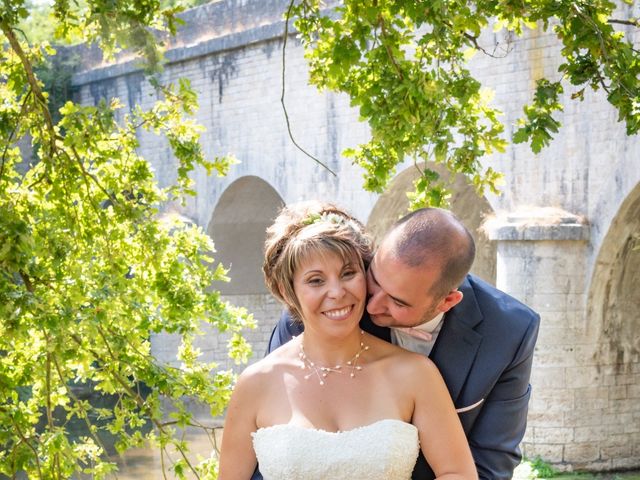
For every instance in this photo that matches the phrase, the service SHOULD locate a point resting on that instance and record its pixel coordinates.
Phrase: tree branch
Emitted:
(86, 174)
(632, 22)
(603, 47)
(164, 474)
(386, 47)
(33, 449)
(33, 81)
(27, 281)
(49, 409)
(474, 40)
(284, 107)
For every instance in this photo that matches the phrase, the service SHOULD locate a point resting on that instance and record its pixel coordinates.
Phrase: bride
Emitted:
(335, 402)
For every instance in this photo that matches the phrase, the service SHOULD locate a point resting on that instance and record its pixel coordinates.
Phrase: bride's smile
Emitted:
(339, 314)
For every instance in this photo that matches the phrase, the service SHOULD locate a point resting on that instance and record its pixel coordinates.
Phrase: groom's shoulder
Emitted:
(496, 304)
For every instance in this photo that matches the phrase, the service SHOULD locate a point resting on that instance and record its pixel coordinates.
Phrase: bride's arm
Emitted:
(442, 438)
(237, 457)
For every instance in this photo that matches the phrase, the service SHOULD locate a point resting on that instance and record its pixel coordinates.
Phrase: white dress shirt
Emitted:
(420, 339)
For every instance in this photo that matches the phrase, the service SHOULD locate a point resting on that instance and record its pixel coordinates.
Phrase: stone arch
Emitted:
(238, 223)
(614, 295)
(465, 203)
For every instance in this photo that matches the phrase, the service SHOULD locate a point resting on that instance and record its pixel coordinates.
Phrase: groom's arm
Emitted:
(285, 330)
(500, 426)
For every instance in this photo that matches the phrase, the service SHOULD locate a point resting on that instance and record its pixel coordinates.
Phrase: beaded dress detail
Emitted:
(386, 449)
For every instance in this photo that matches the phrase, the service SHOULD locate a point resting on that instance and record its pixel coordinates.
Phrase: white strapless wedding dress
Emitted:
(386, 449)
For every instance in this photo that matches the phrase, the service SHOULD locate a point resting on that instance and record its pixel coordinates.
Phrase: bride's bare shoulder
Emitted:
(403, 361)
(273, 364)
(259, 382)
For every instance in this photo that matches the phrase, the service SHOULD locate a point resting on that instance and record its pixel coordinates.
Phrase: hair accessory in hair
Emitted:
(330, 217)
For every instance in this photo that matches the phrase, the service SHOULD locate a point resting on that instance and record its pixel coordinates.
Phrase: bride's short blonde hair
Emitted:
(310, 228)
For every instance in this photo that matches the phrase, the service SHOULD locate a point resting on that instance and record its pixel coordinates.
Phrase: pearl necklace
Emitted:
(323, 372)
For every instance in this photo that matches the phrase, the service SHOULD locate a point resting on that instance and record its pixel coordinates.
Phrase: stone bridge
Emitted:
(562, 236)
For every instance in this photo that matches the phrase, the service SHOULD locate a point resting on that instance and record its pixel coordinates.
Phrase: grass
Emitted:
(537, 469)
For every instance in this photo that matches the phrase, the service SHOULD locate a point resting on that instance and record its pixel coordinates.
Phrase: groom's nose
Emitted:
(375, 302)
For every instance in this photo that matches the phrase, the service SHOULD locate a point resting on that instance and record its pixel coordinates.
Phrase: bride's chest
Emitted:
(339, 404)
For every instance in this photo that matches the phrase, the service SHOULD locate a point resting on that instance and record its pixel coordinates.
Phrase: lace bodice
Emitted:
(386, 449)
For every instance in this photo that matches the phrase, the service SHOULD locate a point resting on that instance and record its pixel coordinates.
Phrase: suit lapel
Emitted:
(457, 344)
(368, 326)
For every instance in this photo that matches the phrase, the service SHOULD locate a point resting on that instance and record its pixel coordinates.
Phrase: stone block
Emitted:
(583, 418)
(627, 379)
(594, 433)
(635, 442)
(580, 452)
(621, 406)
(553, 435)
(590, 404)
(632, 428)
(627, 463)
(621, 392)
(616, 451)
(549, 377)
(617, 421)
(538, 224)
(547, 452)
(591, 392)
(563, 355)
(600, 465)
(543, 418)
(583, 376)
(558, 334)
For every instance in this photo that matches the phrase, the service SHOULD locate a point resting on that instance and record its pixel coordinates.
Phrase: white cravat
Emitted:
(418, 339)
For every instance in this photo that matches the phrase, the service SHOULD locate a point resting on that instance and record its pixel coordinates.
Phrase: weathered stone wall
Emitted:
(561, 235)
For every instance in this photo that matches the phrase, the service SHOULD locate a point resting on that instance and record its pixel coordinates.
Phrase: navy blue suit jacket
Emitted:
(484, 352)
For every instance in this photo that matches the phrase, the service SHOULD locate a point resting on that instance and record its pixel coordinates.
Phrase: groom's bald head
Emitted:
(436, 239)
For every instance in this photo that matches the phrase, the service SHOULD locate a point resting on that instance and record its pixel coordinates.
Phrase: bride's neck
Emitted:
(331, 351)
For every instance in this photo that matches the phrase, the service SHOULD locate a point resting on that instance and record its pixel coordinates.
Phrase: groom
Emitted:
(422, 298)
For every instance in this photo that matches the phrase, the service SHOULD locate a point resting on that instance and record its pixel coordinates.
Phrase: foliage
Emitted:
(541, 469)
(404, 64)
(39, 25)
(56, 72)
(88, 269)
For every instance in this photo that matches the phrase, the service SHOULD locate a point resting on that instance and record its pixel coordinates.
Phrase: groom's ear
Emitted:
(453, 298)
